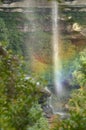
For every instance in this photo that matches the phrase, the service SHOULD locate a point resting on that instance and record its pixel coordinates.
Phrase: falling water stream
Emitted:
(55, 46)
(56, 99)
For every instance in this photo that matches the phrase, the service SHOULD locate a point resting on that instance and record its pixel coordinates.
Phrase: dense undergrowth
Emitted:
(19, 108)
(77, 102)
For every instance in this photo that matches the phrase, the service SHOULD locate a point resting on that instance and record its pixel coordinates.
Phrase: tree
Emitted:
(77, 102)
(19, 108)
(79, 75)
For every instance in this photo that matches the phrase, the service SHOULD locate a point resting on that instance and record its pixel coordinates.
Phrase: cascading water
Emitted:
(55, 46)
(36, 39)
(56, 99)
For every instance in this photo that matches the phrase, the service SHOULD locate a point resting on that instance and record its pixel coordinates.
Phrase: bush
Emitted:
(19, 96)
(77, 102)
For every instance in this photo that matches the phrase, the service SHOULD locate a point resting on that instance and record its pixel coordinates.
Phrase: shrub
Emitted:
(19, 96)
(77, 102)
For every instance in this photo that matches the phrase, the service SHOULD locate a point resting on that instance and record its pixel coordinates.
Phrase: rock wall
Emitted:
(26, 3)
(40, 2)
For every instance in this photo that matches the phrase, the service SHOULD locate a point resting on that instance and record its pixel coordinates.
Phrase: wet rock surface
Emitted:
(45, 94)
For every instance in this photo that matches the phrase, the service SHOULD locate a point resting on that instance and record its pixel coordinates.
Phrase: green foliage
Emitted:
(76, 16)
(41, 124)
(79, 74)
(11, 24)
(77, 111)
(16, 41)
(19, 96)
(3, 32)
(77, 102)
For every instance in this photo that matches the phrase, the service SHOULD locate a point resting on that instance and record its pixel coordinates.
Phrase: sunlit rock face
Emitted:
(35, 3)
(26, 3)
(77, 2)
(76, 27)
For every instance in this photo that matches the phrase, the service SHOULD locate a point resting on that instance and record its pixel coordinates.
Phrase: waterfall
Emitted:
(56, 99)
(55, 46)
(36, 29)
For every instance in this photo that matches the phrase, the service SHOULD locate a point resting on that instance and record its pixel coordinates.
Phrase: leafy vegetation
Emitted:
(13, 35)
(80, 70)
(19, 96)
(77, 102)
(3, 32)
(19, 107)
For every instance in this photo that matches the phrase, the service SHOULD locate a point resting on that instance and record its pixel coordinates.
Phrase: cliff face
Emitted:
(40, 2)
(30, 3)
(25, 3)
(79, 2)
